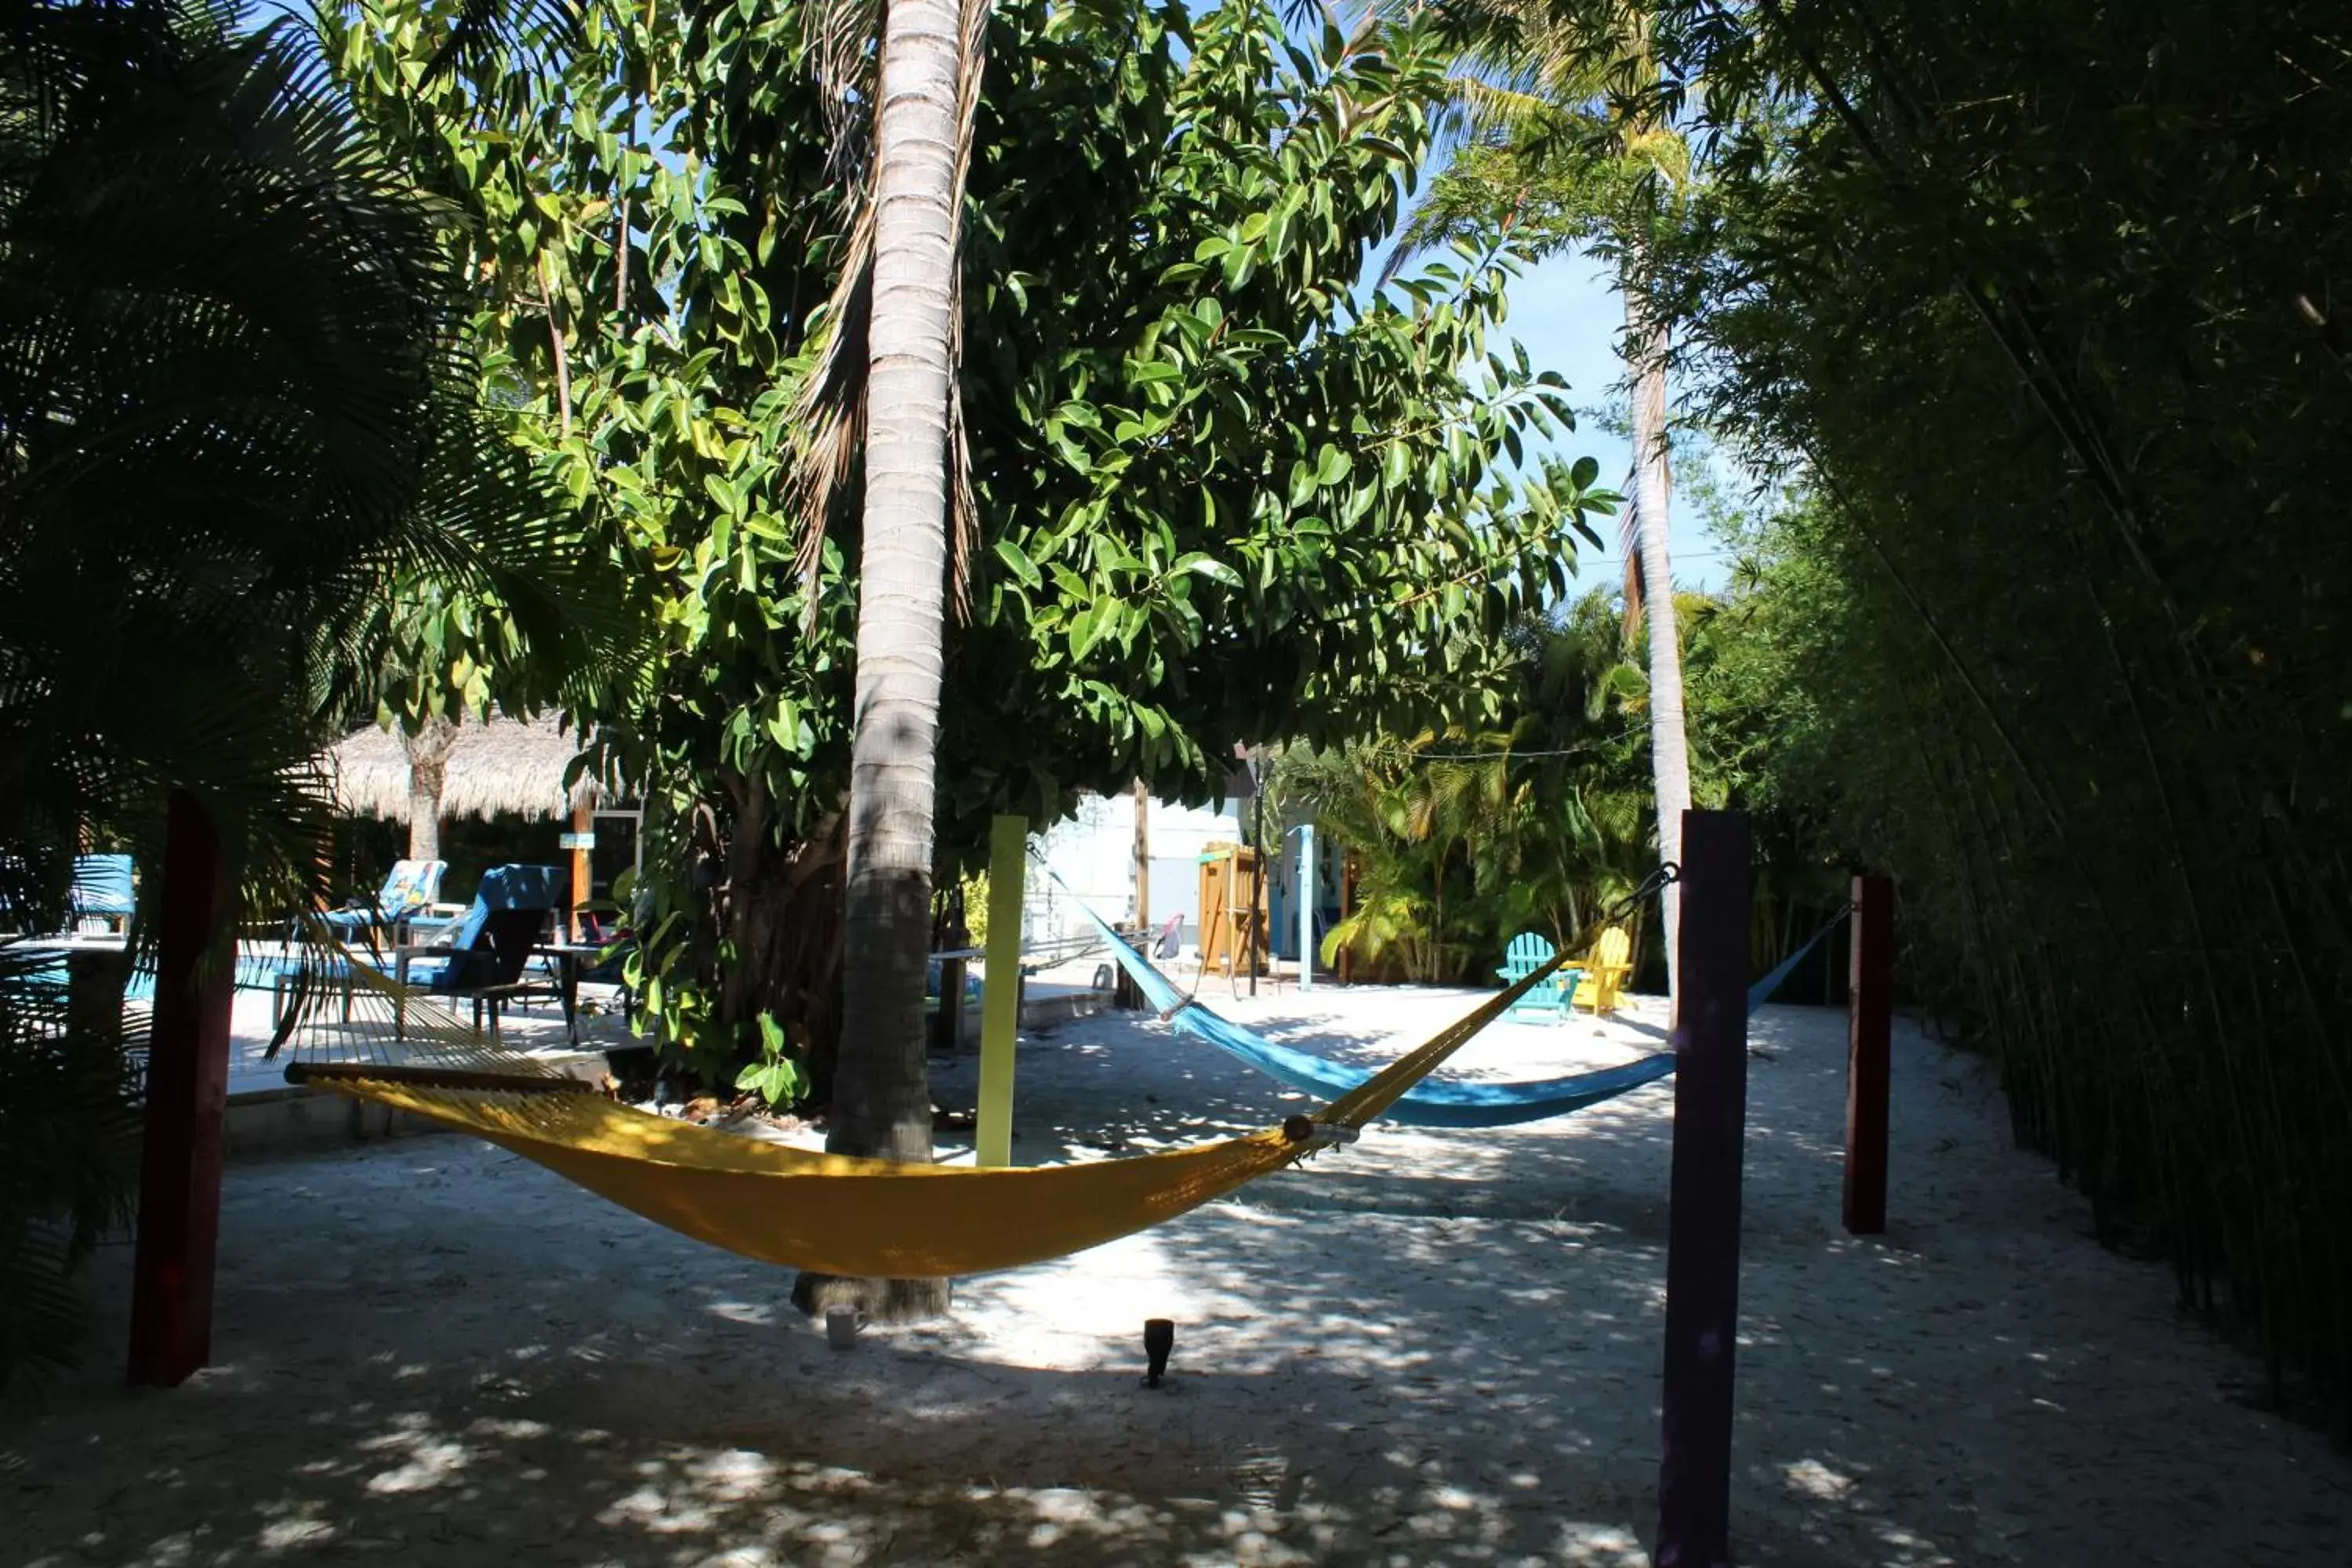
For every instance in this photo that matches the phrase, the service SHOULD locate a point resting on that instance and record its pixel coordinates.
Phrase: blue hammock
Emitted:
(1430, 1103)
(1434, 1102)
(1762, 992)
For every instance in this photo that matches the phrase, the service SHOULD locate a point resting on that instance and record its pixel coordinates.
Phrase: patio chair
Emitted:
(1606, 969)
(407, 893)
(482, 957)
(101, 891)
(1527, 954)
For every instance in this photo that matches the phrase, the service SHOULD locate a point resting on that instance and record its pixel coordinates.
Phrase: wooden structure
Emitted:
(187, 1094)
(1604, 970)
(1527, 954)
(1870, 1020)
(1142, 856)
(1704, 1198)
(1232, 909)
(498, 768)
(1000, 992)
(1307, 906)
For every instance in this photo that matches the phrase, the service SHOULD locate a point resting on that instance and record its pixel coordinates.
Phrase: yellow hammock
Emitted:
(836, 1214)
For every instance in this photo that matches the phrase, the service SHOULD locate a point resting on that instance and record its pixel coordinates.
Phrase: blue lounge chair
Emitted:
(406, 893)
(482, 957)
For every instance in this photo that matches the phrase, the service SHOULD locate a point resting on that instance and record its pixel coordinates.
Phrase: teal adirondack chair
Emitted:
(1527, 954)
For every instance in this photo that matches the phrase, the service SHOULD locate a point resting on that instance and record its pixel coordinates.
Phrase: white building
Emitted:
(1093, 851)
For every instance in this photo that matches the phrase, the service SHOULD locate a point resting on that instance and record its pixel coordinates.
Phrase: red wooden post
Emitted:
(1703, 1224)
(187, 1090)
(1870, 1018)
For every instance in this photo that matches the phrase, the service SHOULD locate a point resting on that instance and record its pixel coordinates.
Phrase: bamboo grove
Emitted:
(2040, 308)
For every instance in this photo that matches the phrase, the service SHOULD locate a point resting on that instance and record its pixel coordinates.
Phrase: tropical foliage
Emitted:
(235, 413)
(1554, 155)
(2041, 307)
(1216, 489)
(1465, 838)
(1537, 821)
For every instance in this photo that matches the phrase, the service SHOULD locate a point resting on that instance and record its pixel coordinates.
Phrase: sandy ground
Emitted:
(1432, 1348)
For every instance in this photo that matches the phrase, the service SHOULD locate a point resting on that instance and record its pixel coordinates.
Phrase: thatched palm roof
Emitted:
(503, 767)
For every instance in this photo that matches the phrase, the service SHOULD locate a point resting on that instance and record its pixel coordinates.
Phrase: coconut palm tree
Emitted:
(1543, 105)
(901, 285)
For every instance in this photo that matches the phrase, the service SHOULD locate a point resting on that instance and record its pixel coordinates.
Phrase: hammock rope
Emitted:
(1762, 992)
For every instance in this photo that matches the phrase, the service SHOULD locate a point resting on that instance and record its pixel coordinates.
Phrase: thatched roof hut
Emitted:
(503, 767)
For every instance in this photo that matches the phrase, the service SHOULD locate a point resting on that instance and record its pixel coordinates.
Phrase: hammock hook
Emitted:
(1321, 1134)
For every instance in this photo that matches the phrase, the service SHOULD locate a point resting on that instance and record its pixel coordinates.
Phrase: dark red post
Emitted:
(1870, 1021)
(187, 1090)
(1703, 1224)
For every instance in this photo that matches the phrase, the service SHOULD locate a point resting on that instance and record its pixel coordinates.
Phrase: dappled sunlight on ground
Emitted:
(1432, 1347)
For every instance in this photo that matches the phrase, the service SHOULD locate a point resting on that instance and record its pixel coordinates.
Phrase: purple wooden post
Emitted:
(1870, 1021)
(1703, 1227)
(187, 1090)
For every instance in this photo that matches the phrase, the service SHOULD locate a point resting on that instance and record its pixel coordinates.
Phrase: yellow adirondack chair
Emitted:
(1604, 970)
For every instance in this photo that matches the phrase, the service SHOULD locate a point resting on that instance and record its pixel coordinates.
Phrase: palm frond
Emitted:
(236, 409)
(490, 38)
(963, 506)
(828, 410)
(844, 57)
(69, 1154)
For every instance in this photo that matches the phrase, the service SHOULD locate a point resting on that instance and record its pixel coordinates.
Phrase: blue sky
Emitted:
(1568, 315)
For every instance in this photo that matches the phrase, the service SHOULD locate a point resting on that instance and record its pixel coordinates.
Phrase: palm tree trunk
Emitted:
(881, 1097)
(428, 763)
(1645, 343)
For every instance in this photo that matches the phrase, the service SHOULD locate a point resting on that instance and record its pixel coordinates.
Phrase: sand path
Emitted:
(1434, 1348)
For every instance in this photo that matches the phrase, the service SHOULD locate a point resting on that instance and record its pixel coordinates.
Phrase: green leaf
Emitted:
(1022, 567)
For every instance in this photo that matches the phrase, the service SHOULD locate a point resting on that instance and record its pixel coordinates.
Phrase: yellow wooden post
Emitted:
(583, 835)
(1000, 990)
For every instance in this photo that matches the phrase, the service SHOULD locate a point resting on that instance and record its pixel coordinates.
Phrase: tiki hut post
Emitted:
(428, 759)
